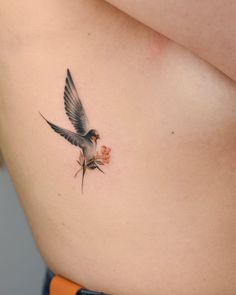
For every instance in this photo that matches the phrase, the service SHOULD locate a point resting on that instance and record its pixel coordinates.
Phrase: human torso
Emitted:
(161, 219)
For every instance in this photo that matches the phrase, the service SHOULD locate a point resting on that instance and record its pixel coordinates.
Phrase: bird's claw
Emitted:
(101, 158)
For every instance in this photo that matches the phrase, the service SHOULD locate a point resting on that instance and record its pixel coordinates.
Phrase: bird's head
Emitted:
(93, 135)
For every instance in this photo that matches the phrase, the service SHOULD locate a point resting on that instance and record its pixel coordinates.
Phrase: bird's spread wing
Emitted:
(72, 137)
(73, 106)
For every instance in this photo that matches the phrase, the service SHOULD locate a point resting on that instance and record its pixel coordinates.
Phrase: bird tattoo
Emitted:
(83, 137)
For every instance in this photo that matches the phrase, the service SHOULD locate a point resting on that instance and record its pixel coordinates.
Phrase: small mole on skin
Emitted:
(89, 33)
(172, 132)
(58, 194)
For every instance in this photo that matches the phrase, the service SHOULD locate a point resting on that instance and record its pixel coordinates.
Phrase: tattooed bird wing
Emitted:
(72, 137)
(73, 106)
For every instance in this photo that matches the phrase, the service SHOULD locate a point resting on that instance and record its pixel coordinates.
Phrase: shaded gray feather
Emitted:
(73, 106)
(72, 137)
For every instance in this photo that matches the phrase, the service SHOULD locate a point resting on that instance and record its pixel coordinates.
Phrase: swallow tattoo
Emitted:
(83, 137)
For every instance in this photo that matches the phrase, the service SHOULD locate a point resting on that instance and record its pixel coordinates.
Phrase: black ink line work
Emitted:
(83, 137)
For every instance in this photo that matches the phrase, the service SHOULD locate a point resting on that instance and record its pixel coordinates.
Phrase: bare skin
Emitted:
(162, 218)
(205, 27)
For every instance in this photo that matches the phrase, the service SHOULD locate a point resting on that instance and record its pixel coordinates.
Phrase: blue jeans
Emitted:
(48, 277)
